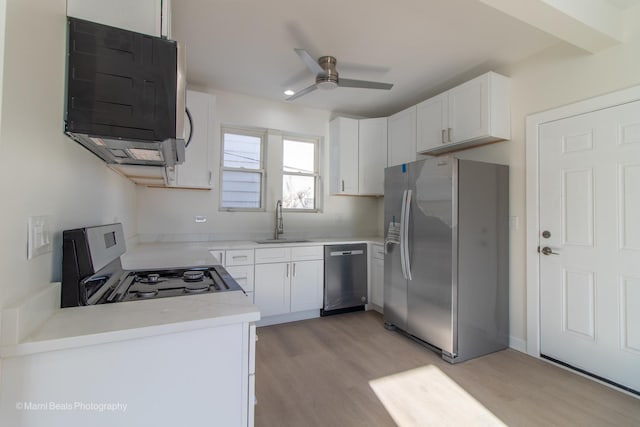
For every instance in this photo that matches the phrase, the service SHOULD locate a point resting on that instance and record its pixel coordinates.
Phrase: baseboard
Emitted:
(289, 317)
(518, 344)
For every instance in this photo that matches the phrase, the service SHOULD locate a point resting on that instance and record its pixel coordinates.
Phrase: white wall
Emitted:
(168, 214)
(44, 172)
(557, 76)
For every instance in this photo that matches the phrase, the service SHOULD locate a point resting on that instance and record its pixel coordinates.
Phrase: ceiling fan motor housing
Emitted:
(330, 78)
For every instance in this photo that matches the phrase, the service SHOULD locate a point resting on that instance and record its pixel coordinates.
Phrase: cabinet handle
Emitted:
(239, 257)
(443, 136)
(210, 176)
(287, 270)
(294, 270)
(343, 185)
(449, 134)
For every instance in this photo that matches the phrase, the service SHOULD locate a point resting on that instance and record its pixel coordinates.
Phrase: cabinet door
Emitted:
(344, 155)
(272, 288)
(377, 281)
(402, 137)
(307, 281)
(469, 110)
(432, 122)
(243, 274)
(196, 170)
(372, 156)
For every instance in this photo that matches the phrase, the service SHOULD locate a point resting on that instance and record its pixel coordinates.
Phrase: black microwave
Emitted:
(125, 94)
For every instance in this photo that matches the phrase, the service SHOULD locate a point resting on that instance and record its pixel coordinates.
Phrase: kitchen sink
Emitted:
(270, 241)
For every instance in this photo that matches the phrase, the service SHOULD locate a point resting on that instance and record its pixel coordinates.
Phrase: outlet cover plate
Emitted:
(39, 236)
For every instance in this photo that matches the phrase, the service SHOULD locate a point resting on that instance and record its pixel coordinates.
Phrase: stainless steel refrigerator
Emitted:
(446, 265)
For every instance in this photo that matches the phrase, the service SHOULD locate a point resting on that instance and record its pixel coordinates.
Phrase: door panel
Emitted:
(272, 288)
(395, 285)
(590, 274)
(430, 252)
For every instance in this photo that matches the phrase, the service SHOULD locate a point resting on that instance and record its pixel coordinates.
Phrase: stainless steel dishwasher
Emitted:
(345, 278)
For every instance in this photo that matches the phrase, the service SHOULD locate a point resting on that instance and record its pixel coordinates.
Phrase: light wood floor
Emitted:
(323, 372)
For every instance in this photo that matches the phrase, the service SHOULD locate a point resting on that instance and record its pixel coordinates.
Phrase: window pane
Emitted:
(241, 151)
(241, 189)
(298, 192)
(298, 156)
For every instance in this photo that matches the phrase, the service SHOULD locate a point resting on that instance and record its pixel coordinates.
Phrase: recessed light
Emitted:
(289, 92)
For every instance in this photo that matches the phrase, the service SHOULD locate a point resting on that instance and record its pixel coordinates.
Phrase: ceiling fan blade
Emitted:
(303, 92)
(363, 84)
(311, 63)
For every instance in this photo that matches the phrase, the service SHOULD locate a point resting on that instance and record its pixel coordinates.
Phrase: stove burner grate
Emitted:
(194, 288)
(147, 293)
(193, 276)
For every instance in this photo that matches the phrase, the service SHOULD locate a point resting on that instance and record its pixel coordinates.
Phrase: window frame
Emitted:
(245, 131)
(317, 196)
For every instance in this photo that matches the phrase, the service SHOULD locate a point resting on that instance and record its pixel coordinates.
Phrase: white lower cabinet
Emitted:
(272, 288)
(377, 276)
(239, 264)
(294, 283)
(306, 285)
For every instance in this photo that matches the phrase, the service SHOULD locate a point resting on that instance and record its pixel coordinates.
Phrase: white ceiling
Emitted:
(246, 46)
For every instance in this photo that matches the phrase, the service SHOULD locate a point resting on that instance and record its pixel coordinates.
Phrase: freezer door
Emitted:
(432, 232)
(395, 284)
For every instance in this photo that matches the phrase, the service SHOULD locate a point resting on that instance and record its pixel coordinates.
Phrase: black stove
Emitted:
(92, 272)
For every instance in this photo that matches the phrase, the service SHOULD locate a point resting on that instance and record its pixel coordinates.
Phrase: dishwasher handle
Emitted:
(347, 253)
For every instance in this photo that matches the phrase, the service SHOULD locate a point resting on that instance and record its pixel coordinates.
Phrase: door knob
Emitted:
(548, 251)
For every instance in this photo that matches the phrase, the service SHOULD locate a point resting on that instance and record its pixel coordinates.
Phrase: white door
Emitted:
(432, 122)
(372, 155)
(590, 238)
(272, 288)
(469, 110)
(307, 281)
(401, 129)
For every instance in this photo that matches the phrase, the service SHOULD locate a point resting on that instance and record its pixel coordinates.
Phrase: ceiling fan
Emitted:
(327, 76)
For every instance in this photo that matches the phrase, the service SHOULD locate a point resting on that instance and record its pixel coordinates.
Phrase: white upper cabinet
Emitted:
(372, 156)
(196, 171)
(142, 16)
(401, 143)
(357, 156)
(474, 113)
(343, 140)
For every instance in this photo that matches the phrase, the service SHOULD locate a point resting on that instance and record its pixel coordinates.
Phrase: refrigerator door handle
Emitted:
(402, 235)
(407, 256)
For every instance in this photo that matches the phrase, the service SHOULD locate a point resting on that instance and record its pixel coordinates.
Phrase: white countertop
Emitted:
(98, 324)
(91, 325)
(181, 254)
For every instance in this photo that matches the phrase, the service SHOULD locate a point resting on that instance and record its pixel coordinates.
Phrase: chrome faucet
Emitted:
(279, 228)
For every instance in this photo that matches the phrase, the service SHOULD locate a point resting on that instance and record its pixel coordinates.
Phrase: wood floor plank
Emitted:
(322, 372)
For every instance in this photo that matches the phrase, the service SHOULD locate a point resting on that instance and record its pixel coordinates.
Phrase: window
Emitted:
(299, 174)
(242, 170)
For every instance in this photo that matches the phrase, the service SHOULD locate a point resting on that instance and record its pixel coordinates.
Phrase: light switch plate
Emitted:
(39, 236)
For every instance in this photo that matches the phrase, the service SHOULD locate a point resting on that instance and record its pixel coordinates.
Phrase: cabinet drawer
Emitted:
(243, 274)
(377, 251)
(239, 257)
(301, 253)
(268, 255)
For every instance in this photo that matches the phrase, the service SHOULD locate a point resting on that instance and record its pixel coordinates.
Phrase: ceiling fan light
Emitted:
(326, 85)
(289, 92)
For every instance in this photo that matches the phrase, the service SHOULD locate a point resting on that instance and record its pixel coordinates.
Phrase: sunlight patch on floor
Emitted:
(427, 396)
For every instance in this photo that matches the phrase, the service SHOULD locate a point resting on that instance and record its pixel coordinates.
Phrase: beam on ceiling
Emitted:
(592, 25)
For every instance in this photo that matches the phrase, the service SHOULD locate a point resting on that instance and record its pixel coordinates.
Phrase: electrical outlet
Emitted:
(39, 236)
(201, 218)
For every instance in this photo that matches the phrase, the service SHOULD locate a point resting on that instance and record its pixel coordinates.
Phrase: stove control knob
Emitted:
(153, 277)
